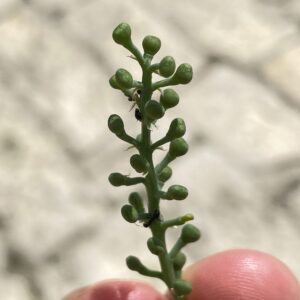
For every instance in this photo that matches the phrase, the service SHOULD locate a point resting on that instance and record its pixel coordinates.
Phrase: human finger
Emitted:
(116, 290)
(242, 275)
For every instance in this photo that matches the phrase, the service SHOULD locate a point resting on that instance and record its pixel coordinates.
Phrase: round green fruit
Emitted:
(133, 263)
(124, 79)
(136, 201)
(190, 233)
(182, 287)
(177, 129)
(183, 74)
(122, 34)
(155, 246)
(178, 192)
(115, 124)
(169, 98)
(117, 179)
(151, 44)
(179, 261)
(178, 147)
(167, 66)
(165, 174)
(139, 163)
(129, 213)
(113, 82)
(154, 110)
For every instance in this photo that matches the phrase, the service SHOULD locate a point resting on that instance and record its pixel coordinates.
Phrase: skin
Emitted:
(230, 275)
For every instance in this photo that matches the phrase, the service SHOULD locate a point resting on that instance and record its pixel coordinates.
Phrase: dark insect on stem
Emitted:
(155, 215)
(138, 115)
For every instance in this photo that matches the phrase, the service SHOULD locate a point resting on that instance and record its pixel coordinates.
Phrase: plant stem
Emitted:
(162, 83)
(160, 142)
(151, 181)
(165, 161)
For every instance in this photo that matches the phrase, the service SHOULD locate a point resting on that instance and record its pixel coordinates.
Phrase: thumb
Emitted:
(240, 275)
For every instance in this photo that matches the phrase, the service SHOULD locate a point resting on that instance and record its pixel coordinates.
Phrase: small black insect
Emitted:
(138, 115)
(155, 215)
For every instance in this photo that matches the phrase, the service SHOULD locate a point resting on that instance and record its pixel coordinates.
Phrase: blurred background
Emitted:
(60, 222)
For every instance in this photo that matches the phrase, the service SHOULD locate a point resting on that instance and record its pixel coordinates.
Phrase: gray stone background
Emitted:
(60, 225)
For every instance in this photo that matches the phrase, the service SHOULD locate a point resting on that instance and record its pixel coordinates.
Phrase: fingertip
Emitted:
(117, 290)
(79, 294)
(242, 274)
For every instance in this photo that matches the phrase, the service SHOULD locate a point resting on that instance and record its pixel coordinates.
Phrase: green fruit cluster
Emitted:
(150, 108)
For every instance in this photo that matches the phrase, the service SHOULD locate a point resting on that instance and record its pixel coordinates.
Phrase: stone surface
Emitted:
(261, 129)
(60, 222)
(237, 29)
(283, 70)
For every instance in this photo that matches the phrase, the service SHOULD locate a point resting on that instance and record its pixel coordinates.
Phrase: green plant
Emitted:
(153, 177)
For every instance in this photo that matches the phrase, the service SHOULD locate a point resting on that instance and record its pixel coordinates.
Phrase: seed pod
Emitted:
(136, 201)
(169, 98)
(117, 179)
(122, 34)
(155, 246)
(177, 192)
(179, 261)
(183, 74)
(190, 233)
(177, 129)
(133, 263)
(167, 66)
(139, 163)
(129, 213)
(165, 174)
(178, 147)
(151, 44)
(124, 79)
(113, 82)
(116, 125)
(154, 110)
(182, 287)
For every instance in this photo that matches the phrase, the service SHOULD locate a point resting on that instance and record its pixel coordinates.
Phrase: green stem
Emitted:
(154, 67)
(165, 261)
(134, 180)
(129, 139)
(160, 142)
(143, 270)
(162, 83)
(176, 248)
(165, 161)
(177, 221)
(137, 84)
(137, 54)
(152, 182)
